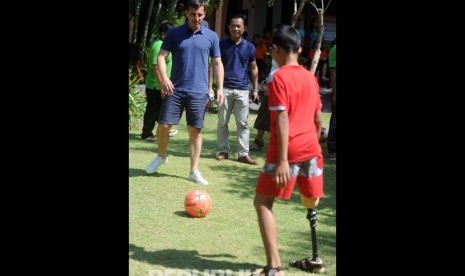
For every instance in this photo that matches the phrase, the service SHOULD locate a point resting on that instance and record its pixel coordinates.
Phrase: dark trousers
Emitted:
(261, 69)
(152, 111)
(332, 132)
(262, 121)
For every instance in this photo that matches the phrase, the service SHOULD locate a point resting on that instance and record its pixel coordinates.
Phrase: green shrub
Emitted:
(136, 101)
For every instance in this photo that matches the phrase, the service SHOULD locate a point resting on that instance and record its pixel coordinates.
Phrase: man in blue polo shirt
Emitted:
(237, 55)
(191, 45)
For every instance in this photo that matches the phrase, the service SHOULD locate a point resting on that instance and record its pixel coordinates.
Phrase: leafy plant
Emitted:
(136, 101)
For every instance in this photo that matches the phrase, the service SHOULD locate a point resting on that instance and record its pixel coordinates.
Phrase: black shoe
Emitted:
(221, 156)
(256, 145)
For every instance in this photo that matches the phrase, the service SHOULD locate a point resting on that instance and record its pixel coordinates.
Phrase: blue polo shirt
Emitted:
(190, 53)
(236, 59)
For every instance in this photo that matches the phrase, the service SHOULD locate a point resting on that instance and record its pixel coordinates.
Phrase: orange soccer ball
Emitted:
(197, 203)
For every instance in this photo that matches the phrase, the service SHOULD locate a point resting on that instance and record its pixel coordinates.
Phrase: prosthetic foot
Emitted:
(268, 271)
(313, 264)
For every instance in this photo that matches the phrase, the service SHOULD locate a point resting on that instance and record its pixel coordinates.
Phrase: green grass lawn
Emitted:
(164, 239)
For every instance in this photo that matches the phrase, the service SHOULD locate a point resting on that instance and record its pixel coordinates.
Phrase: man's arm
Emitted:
(218, 65)
(254, 79)
(157, 74)
(211, 92)
(166, 85)
(282, 173)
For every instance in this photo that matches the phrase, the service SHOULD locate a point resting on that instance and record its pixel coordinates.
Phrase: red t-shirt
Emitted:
(260, 51)
(296, 90)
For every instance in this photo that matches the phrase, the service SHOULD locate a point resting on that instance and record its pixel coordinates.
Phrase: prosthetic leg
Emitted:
(313, 264)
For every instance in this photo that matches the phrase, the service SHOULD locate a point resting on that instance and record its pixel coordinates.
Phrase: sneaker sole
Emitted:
(198, 182)
(154, 171)
(148, 139)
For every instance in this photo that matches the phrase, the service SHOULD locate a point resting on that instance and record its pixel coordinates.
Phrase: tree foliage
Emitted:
(149, 14)
(320, 9)
(146, 17)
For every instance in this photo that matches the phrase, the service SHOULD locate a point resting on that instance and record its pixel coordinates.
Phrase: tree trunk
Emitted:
(320, 12)
(146, 24)
(316, 57)
(156, 18)
(172, 5)
(299, 11)
(136, 21)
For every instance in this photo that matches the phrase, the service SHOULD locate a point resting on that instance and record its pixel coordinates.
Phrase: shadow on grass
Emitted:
(183, 214)
(136, 172)
(186, 259)
(141, 172)
(133, 136)
(176, 147)
(325, 242)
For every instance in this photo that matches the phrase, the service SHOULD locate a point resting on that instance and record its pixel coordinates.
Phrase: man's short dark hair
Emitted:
(195, 3)
(238, 15)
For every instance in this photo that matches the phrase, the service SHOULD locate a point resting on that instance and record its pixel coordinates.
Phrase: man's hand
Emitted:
(167, 88)
(220, 96)
(255, 97)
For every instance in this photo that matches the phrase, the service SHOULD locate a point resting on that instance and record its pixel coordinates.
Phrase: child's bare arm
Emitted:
(318, 123)
(282, 174)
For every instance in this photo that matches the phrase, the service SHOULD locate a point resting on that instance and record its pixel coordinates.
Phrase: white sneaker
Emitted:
(153, 166)
(197, 178)
(325, 91)
(173, 132)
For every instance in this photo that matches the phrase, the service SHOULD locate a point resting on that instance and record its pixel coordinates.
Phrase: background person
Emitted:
(152, 86)
(237, 55)
(262, 122)
(191, 45)
(180, 14)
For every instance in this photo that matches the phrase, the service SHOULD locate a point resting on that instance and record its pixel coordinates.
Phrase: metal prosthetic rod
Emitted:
(313, 264)
(311, 216)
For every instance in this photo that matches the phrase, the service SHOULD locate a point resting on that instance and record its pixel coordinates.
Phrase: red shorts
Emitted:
(308, 175)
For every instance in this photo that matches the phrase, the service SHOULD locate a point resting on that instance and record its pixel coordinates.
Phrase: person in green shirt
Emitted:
(181, 18)
(152, 86)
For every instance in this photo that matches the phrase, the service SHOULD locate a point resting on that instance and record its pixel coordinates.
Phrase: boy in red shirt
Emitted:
(294, 152)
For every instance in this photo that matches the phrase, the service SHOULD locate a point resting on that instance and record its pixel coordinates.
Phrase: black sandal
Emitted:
(271, 271)
(309, 265)
(256, 145)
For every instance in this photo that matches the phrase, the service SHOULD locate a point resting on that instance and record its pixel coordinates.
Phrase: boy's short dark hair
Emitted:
(165, 27)
(287, 37)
